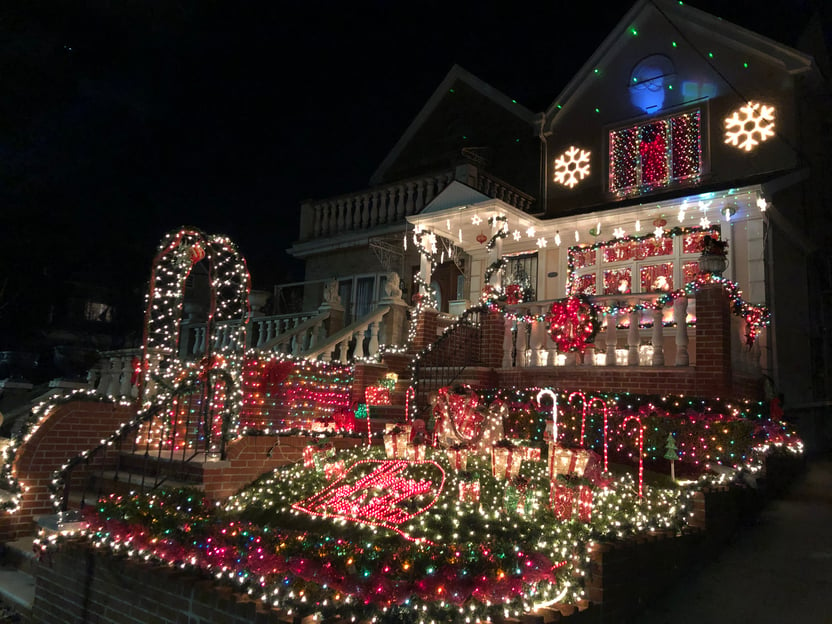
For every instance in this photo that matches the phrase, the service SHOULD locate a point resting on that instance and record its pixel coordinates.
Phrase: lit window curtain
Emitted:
(363, 296)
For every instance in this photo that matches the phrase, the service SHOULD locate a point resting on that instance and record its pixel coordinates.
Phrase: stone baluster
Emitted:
(538, 342)
(430, 188)
(373, 200)
(522, 343)
(420, 195)
(104, 377)
(408, 205)
(612, 338)
(355, 206)
(114, 377)
(508, 343)
(383, 216)
(199, 341)
(372, 346)
(391, 205)
(270, 327)
(358, 352)
(126, 381)
(680, 313)
(399, 203)
(633, 341)
(363, 203)
(341, 210)
(343, 347)
(658, 338)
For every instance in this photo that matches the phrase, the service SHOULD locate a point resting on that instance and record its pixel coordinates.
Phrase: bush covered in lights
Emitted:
(448, 560)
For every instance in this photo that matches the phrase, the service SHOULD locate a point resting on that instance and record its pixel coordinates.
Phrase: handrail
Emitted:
(347, 333)
(444, 362)
(300, 329)
(62, 478)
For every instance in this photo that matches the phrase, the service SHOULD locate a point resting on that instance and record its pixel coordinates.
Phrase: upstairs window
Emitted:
(655, 154)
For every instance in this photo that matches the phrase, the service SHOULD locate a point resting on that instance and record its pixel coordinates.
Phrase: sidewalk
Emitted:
(778, 569)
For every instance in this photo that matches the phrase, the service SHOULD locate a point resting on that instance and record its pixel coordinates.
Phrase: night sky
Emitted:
(121, 120)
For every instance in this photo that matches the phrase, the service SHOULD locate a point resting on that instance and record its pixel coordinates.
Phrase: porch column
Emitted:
(680, 314)
(495, 253)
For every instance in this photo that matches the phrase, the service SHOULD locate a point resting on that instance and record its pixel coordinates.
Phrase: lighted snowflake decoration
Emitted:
(541, 242)
(761, 204)
(705, 222)
(516, 235)
(749, 125)
(476, 220)
(658, 232)
(530, 232)
(619, 232)
(572, 166)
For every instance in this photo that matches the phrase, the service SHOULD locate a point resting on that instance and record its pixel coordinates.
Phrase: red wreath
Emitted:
(572, 324)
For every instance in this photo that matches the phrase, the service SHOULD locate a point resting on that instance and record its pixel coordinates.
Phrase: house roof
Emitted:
(684, 18)
(456, 74)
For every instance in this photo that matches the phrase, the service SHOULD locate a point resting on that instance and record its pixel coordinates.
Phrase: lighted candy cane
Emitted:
(582, 396)
(640, 451)
(408, 396)
(606, 412)
(550, 393)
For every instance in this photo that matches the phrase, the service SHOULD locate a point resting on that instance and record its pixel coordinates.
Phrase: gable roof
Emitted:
(682, 17)
(456, 73)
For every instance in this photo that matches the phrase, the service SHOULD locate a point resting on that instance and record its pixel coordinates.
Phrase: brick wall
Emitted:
(72, 428)
(77, 584)
(251, 456)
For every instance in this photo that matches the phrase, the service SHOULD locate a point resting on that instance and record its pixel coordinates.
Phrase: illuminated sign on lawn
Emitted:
(380, 493)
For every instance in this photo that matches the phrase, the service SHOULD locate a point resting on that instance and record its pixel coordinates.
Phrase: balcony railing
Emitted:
(640, 338)
(391, 203)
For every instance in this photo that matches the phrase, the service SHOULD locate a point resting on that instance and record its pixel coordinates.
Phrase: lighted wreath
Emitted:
(573, 323)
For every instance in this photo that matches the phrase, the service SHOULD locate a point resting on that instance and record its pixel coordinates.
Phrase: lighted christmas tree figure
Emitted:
(671, 454)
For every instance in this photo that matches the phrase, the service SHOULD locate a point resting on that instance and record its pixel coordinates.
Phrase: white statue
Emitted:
(392, 286)
(331, 295)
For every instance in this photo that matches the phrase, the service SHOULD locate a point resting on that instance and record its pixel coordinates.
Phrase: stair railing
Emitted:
(157, 446)
(442, 362)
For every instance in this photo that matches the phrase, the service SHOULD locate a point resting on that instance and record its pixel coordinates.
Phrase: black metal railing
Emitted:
(163, 444)
(443, 362)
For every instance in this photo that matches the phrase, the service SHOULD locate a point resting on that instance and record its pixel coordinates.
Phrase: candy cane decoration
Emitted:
(640, 451)
(582, 396)
(606, 412)
(408, 396)
(548, 392)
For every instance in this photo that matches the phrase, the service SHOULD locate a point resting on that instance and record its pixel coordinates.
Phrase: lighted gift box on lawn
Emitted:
(313, 456)
(574, 462)
(396, 439)
(469, 491)
(415, 452)
(458, 458)
(506, 460)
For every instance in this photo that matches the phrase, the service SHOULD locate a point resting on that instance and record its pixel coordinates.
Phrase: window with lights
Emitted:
(655, 154)
(644, 264)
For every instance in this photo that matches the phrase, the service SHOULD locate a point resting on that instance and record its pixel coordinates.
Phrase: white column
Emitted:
(658, 338)
(680, 313)
(612, 338)
(633, 339)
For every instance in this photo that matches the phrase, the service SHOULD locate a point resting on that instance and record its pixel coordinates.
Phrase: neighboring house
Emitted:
(679, 120)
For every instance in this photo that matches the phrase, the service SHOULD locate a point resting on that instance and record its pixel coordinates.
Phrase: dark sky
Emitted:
(123, 119)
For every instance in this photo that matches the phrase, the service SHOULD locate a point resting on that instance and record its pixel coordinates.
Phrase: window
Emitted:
(641, 265)
(655, 154)
(521, 269)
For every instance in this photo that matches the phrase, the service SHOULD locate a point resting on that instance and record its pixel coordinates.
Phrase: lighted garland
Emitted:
(573, 324)
(490, 291)
(229, 282)
(756, 317)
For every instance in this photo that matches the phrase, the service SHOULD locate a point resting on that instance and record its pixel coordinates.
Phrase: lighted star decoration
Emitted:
(530, 232)
(749, 125)
(619, 232)
(762, 204)
(572, 166)
(476, 220)
(541, 242)
(516, 235)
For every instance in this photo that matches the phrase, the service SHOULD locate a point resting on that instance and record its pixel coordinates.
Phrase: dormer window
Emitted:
(655, 154)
